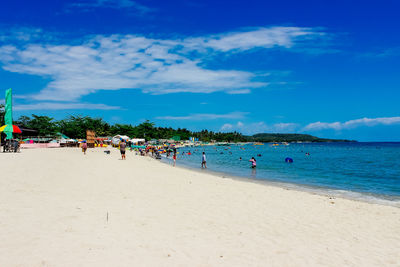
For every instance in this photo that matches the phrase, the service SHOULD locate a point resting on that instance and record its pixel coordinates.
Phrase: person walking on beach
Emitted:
(122, 147)
(253, 162)
(204, 161)
(84, 147)
(174, 158)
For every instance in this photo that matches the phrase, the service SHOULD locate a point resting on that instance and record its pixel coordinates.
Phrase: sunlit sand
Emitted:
(59, 207)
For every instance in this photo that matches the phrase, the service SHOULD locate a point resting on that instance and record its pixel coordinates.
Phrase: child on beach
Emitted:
(253, 162)
(203, 161)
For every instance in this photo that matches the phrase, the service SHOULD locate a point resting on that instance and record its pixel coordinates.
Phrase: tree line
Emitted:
(76, 126)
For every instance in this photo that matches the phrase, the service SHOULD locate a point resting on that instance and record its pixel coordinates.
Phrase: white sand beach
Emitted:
(61, 208)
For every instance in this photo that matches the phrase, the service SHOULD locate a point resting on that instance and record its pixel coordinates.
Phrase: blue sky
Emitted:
(327, 69)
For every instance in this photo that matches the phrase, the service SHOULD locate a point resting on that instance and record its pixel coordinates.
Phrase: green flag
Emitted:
(8, 112)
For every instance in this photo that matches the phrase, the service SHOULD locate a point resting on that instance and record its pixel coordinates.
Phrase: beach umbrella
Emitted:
(8, 128)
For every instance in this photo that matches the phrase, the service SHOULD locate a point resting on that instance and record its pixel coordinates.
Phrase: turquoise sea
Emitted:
(356, 169)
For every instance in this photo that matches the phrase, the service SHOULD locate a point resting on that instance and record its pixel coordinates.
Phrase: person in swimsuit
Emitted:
(253, 162)
(122, 147)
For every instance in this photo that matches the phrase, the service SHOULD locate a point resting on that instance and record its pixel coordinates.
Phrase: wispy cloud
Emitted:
(316, 126)
(205, 116)
(21, 35)
(259, 127)
(62, 106)
(157, 66)
(85, 6)
(257, 37)
(383, 53)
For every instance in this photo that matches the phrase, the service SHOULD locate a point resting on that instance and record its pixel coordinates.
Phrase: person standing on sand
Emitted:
(84, 147)
(174, 158)
(122, 147)
(204, 161)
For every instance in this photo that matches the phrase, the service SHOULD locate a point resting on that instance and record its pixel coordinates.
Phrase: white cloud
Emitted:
(262, 127)
(60, 106)
(227, 127)
(259, 127)
(206, 116)
(316, 126)
(157, 66)
(259, 37)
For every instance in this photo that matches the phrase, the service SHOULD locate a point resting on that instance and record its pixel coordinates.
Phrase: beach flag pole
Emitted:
(8, 112)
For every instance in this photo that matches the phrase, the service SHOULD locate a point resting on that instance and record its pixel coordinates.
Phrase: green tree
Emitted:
(43, 124)
(23, 121)
(146, 130)
(76, 126)
(124, 129)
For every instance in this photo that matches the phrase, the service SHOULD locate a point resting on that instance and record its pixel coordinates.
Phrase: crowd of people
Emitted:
(10, 145)
(156, 151)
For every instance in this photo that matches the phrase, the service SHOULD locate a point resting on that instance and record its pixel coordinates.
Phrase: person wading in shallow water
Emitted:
(253, 162)
(122, 147)
(204, 161)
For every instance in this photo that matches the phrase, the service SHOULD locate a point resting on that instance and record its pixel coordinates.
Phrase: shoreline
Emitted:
(322, 191)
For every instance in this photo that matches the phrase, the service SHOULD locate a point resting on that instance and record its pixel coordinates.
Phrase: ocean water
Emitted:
(354, 169)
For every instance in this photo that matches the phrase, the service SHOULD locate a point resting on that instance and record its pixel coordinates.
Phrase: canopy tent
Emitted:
(117, 139)
(142, 147)
(68, 140)
(63, 136)
(27, 132)
(137, 140)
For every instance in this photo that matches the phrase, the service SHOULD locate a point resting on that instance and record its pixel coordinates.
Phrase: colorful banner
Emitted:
(8, 112)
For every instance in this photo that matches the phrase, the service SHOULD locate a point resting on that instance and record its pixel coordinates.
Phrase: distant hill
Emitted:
(277, 137)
